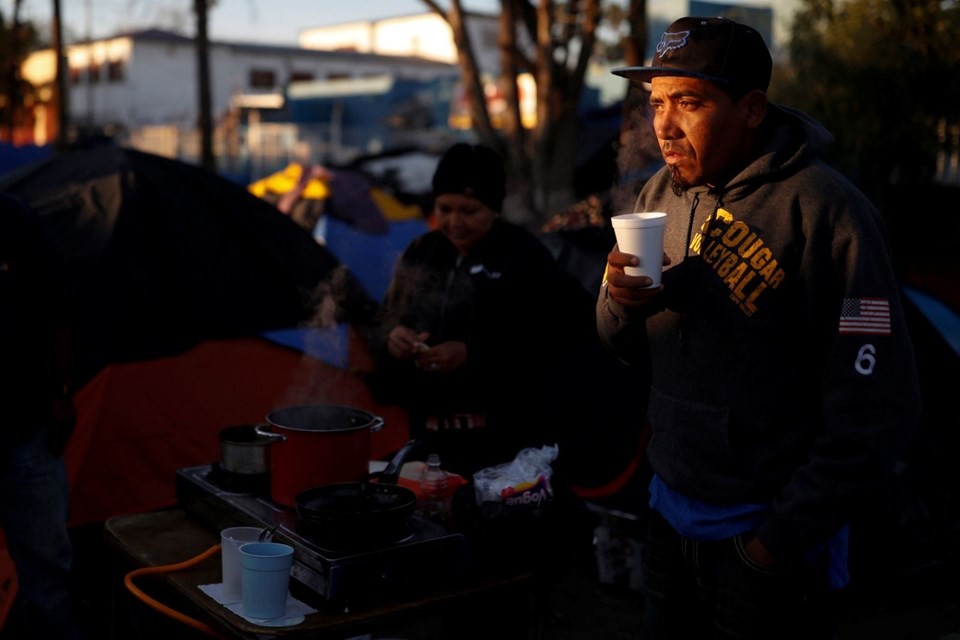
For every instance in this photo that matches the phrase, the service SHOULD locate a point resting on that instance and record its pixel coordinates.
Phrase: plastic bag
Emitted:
(523, 483)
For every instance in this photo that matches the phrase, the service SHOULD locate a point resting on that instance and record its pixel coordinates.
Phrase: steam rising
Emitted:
(326, 344)
(637, 150)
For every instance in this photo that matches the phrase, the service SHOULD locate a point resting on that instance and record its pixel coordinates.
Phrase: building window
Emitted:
(76, 73)
(301, 76)
(115, 71)
(93, 74)
(262, 79)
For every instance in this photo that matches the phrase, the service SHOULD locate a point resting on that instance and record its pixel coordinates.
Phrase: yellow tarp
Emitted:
(285, 180)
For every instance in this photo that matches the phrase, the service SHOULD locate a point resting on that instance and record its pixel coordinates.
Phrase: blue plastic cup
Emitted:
(265, 578)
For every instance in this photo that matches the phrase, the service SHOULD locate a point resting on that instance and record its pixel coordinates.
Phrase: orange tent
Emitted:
(140, 422)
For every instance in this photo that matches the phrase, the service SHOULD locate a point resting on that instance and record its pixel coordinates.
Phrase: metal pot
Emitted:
(243, 451)
(317, 444)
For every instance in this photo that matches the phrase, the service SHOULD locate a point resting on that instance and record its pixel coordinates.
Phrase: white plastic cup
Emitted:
(641, 234)
(265, 576)
(230, 541)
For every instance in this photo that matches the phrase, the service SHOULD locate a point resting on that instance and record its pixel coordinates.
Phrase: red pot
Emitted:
(317, 444)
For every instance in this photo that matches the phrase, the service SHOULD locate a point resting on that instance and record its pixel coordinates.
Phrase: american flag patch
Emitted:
(865, 316)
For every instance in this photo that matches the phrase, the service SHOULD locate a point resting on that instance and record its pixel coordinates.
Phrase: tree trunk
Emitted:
(634, 52)
(635, 46)
(207, 159)
(61, 99)
(12, 57)
(470, 75)
(559, 90)
(554, 166)
(541, 163)
(515, 136)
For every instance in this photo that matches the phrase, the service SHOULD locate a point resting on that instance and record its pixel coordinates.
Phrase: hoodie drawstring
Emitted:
(688, 274)
(686, 245)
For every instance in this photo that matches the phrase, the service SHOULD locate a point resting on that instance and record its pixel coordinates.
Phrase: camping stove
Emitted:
(420, 554)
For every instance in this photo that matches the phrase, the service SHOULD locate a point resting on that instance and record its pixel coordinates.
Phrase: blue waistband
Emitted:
(699, 520)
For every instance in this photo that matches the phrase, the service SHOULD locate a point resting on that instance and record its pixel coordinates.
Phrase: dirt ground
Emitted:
(581, 607)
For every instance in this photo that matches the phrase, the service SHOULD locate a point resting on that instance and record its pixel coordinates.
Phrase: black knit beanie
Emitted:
(472, 170)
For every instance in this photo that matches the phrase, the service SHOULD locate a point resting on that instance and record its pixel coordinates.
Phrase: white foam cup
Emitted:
(230, 541)
(265, 574)
(641, 234)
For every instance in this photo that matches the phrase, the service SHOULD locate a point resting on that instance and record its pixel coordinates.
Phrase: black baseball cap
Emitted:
(728, 53)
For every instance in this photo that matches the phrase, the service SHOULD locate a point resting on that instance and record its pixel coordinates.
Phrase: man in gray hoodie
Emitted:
(784, 386)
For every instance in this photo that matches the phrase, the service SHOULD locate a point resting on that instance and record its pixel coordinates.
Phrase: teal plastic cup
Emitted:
(265, 578)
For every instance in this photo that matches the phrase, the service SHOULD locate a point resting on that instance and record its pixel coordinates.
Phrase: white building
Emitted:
(149, 78)
(424, 35)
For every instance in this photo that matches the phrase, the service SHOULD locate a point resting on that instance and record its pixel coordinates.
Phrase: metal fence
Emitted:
(259, 149)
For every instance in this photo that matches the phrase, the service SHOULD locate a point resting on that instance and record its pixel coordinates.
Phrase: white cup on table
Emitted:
(230, 541)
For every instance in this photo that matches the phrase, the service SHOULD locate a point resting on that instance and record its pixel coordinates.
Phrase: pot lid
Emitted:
(323, 417)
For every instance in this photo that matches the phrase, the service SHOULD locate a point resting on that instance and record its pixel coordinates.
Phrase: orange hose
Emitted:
(159, 606)
(621, 480)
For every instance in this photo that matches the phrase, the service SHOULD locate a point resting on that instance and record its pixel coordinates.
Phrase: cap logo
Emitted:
(671, 41)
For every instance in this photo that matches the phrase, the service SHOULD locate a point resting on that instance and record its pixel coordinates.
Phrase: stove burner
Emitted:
(258, 483)
(351, 539)
(415, 553)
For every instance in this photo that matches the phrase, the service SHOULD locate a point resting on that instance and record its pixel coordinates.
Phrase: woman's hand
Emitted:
(404, 343)
(629, 291)
(443, 358)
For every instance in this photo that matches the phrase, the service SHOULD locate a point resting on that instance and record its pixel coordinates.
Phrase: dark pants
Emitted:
(698, 590)
(33, 513)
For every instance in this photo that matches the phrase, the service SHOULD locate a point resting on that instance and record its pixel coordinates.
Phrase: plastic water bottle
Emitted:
(434, 502)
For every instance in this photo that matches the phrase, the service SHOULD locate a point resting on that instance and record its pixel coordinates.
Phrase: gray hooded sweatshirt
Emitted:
(782, 370)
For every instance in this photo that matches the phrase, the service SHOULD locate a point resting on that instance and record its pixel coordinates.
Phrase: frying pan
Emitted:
(364, 508)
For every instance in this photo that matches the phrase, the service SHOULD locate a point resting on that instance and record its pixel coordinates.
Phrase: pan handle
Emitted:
(264, 430)
(391, 472)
